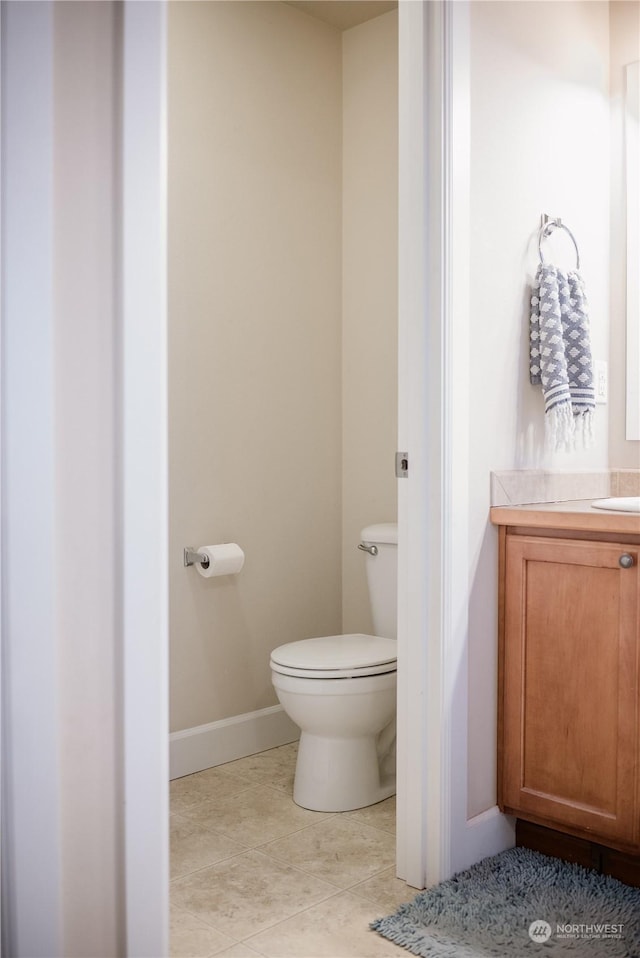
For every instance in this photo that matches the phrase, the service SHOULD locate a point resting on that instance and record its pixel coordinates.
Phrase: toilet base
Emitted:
(339, 775)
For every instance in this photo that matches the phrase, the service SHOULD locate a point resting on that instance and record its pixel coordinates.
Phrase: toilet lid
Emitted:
(336, 656)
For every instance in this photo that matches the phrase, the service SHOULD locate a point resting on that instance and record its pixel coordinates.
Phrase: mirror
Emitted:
(632, 167)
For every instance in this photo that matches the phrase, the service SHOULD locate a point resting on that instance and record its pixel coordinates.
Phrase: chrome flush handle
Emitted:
(372, 550)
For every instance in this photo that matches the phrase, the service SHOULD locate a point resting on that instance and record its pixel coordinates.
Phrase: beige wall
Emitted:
(254, 307)
(283, 327)
(539, 143)
(369, 296)
(624, 19)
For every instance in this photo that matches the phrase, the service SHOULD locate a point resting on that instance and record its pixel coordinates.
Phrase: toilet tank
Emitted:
(382, 576)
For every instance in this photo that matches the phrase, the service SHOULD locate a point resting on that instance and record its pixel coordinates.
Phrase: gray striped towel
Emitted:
(560, 355)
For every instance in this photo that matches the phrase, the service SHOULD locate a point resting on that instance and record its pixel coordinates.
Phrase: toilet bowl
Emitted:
(341, 691)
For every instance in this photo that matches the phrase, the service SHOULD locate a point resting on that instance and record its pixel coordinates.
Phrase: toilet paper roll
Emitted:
(224, 559)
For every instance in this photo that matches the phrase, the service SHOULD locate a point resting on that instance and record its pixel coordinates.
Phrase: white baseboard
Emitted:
(204, 746)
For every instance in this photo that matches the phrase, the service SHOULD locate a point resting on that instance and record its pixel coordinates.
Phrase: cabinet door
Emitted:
(570, 690)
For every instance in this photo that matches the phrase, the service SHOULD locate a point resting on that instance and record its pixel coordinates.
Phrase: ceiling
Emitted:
(344, 14)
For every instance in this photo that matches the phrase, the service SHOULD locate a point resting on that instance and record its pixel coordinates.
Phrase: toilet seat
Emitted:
(336, 657)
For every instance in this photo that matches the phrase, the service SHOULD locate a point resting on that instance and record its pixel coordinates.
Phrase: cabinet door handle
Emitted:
(626, 560)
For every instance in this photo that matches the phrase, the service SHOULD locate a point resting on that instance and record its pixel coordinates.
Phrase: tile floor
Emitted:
(254, 874)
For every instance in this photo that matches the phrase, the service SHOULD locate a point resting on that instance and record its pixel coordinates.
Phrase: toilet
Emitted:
(341, 691)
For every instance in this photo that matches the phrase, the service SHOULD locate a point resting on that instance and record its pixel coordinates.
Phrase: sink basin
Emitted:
(621, 504)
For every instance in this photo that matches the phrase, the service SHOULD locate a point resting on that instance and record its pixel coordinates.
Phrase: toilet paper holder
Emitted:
(191, 557)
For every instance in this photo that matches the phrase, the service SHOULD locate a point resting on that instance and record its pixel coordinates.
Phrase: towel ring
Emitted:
(547, 229)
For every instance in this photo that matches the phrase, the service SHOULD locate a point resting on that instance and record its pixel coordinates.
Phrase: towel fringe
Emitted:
(560, 431)
(563, 427)
(586, 421)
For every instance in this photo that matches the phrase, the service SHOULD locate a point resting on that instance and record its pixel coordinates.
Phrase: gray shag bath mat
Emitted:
(519, 904)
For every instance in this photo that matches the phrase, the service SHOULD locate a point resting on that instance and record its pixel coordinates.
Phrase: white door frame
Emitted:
(30, 789)
(429, 555)
(435, 836)
(145, 459)
(413, 422)
(424, 429)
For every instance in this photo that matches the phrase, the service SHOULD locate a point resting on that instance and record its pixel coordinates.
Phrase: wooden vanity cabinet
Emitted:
(569, 683)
